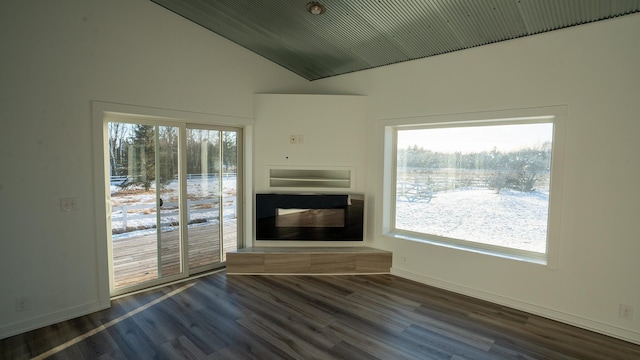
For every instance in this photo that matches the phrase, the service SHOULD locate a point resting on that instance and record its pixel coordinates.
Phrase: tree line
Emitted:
(517, 169)
(132, 152)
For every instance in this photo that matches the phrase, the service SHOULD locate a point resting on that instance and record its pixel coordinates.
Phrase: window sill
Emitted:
(484, 249)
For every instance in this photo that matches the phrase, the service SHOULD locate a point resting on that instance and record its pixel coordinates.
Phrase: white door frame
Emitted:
(102, 112)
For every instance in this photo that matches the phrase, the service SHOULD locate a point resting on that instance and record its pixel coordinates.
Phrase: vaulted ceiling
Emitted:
(353, 35)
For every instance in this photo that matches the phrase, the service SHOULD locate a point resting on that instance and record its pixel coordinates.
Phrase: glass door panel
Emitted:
(211, 191)
(144, 183)
(203, 196)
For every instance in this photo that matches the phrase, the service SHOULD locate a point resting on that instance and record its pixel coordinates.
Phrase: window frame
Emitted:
(553, 114)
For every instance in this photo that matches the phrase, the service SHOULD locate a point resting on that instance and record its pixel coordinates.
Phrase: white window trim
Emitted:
(555, 114)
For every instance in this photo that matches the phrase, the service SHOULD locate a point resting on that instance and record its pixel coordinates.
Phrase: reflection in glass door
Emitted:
(212, 179)
(145, 197)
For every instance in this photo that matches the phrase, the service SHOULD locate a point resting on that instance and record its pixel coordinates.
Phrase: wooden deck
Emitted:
(135, 258)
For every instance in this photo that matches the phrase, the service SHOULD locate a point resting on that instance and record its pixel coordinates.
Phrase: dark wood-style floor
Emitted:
(310, 317)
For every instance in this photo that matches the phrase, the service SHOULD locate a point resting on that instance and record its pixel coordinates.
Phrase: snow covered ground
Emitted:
(511, 219)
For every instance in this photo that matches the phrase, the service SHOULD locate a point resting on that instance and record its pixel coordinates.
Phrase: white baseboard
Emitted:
(49, 319)
(596, 326)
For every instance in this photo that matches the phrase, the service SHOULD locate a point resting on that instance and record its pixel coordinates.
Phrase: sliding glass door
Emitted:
(163, 177)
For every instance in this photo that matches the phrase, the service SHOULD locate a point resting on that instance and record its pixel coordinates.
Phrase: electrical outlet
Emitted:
(404, 260)
(68, 204)
(626, 312)
(299, 139)
(21, 304)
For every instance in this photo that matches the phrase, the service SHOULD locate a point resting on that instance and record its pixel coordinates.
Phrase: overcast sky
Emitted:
(477, 138)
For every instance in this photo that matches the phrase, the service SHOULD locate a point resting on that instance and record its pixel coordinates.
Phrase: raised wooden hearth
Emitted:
(314, 260)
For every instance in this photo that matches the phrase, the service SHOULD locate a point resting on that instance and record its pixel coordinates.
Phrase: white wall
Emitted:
(593, 69)
(333, 136)
(58, 56)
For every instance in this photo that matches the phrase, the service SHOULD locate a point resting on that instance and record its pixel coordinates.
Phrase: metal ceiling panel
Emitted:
(362, 34)
(547, 15)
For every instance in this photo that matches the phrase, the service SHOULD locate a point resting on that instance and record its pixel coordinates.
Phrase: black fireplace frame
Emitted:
(351, 204)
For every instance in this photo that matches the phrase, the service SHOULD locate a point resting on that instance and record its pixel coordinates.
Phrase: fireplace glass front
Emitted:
(334, 217)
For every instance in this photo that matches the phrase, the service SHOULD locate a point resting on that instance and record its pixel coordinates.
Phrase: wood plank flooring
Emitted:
(310, 317)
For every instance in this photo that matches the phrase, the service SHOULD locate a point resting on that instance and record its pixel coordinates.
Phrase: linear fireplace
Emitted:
(331, 217)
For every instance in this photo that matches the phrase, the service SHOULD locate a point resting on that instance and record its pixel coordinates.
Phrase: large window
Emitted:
(480, 184)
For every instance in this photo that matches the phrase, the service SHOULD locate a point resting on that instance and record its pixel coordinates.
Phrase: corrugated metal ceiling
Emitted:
(359, 34)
